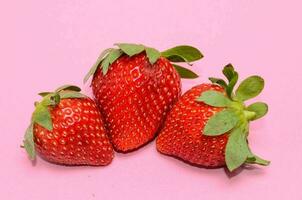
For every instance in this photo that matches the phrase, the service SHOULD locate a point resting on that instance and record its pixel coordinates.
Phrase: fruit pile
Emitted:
(137, 97)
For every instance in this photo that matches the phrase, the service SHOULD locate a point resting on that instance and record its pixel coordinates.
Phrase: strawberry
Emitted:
(209, 124)
(135, 87)
(67, 128)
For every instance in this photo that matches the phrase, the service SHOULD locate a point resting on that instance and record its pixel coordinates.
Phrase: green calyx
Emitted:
(234, 119)
(178, 54)
(42, 116)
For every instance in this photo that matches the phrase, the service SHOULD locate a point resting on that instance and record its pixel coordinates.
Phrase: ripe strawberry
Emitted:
(67, 128)
(209, 124)
(138, 89)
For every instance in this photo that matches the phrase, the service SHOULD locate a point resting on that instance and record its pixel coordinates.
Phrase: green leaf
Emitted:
(182, 54)
(232, 77)
(29, 143)
(214, 98)
(43, 94)
(96, 64)
(152, 54)
(131, 49)
(249, 88)
(218, 81)
(232, 84)
(237, 149)
(47, 100)
(259, 108)
(228, 71)
(105, 66)
(177, 58)
(42, 116)
(184, 72)
(111, 57)
(68, 87)
(253, 159)
(71, 94)
(50, 99)
(55, 99)
(221, 123)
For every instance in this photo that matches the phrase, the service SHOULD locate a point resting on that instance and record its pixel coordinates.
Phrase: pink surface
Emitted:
(45, 44)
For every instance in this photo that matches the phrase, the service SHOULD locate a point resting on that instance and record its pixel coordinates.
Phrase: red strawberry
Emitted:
(67, 128)
(137, 90)
(182, 134)
(208, 126)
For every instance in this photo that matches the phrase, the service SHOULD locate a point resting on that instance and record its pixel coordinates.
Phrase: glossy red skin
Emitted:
(182, 135)
(78, 136)
(134, 98)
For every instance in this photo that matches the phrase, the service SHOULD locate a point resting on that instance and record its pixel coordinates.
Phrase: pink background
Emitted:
(45, 44)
